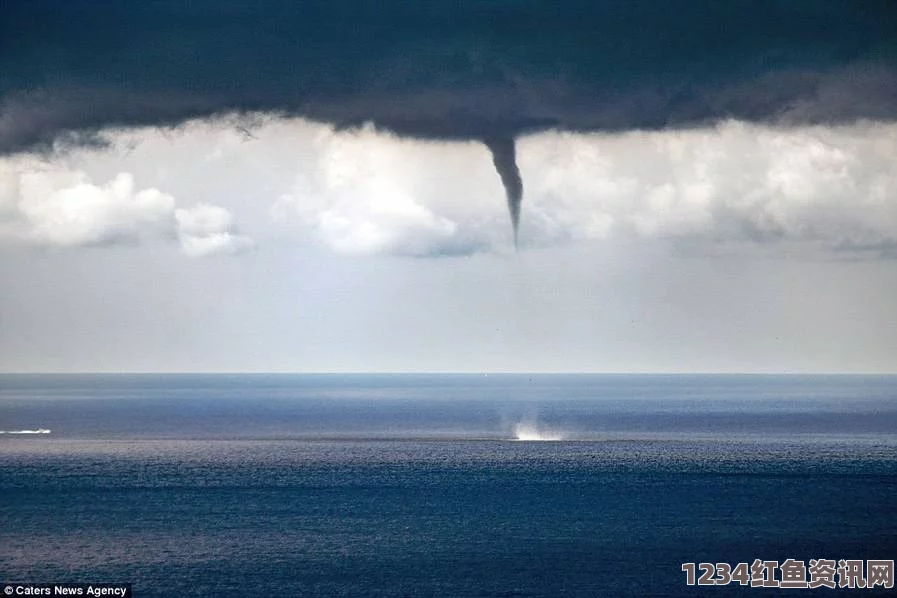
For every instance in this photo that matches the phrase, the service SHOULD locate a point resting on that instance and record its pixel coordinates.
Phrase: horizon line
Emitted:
(443, 373)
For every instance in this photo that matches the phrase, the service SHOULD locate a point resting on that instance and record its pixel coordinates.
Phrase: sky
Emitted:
(705, 187)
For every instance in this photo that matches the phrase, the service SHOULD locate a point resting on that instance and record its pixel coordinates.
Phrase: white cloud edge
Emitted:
(830, 188)
(367, 192)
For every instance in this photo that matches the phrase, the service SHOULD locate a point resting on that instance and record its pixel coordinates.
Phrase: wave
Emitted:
(38, 431)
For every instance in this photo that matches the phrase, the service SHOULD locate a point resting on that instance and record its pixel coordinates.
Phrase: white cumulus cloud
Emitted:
(84, 214)
(365, 192)
(369, 192)
(57, 207)
(205, 230)
(833, 188)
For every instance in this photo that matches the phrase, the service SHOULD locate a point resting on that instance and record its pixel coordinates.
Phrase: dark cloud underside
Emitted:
(446, 70)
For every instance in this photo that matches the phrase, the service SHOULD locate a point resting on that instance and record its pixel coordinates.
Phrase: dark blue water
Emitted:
(415, 486)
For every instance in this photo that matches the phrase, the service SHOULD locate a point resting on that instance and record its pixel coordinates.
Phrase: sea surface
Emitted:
(440, 485)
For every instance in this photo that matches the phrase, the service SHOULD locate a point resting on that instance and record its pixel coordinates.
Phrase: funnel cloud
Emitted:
(505, 160)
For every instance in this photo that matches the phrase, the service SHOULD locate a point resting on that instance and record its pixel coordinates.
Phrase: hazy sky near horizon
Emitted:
(301, 187)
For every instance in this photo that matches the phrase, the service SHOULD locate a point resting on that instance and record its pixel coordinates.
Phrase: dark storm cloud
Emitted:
(447, 70)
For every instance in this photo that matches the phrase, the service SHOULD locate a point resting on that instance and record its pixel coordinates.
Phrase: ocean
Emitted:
(441, 485)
